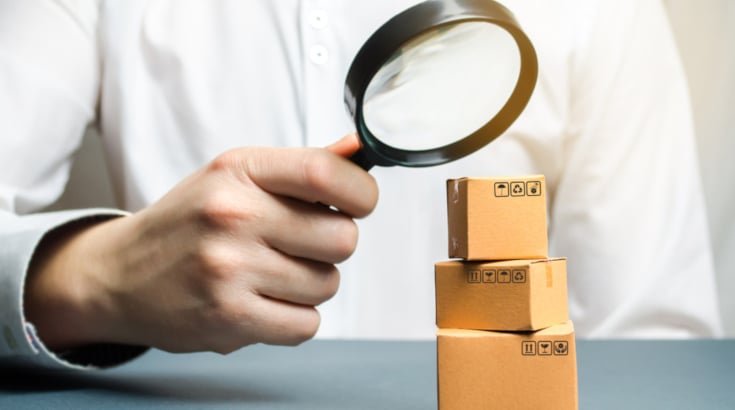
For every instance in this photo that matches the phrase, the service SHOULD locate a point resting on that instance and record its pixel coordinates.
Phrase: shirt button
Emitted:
(318, 19)
(318, 54)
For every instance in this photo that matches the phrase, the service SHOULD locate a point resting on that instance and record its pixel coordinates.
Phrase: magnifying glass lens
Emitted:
(442, 86)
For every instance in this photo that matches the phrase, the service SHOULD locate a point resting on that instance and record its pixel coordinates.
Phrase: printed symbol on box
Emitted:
(528, 348)
(473, 276)
(503, 276)
(501, 189)
(533, 188)
(561, 348)
(544, 348)
(488, 276)
(517, 189)
(519, 276)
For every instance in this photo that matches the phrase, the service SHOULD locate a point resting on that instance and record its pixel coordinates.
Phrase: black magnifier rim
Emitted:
(402, 28)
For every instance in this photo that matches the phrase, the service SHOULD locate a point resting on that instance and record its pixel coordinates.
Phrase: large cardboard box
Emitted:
(518, 295)
(497, 218)
(509, 371)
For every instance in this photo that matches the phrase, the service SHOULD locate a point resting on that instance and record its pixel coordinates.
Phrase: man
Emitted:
(230, 246)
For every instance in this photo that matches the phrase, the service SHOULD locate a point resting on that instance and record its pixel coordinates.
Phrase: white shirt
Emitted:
(174, 83)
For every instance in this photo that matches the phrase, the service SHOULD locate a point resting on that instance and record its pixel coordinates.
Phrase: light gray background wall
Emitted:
(705, 31)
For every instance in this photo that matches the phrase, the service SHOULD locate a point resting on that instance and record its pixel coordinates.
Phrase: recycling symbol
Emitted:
(517, 189)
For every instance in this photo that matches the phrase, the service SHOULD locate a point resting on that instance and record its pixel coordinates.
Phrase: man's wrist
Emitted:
(65, 297)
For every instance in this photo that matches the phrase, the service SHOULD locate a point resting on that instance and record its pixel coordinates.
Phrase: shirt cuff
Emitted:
(19, 342)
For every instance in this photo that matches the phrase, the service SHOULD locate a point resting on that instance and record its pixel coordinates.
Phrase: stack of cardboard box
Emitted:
(504, 340)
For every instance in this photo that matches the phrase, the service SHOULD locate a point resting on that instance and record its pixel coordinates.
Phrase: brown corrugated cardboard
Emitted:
(509, 295)
(509, 371)
(497, 218)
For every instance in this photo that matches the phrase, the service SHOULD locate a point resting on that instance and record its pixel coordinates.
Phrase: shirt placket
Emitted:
(321, 71)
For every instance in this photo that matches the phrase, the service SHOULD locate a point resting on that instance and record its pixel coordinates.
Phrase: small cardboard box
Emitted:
(516, 295)
(497, 218)
(496, 370)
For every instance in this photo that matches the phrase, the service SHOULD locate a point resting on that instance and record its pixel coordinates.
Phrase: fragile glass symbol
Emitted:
(489, 276)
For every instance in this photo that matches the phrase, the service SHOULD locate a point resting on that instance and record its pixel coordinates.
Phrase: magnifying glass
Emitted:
(437, 82)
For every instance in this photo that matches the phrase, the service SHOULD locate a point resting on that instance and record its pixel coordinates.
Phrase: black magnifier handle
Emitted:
(362, 160)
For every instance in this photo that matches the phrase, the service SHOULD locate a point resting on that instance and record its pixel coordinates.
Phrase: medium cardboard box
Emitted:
(508, 295)
(509, 371)
(497, 218)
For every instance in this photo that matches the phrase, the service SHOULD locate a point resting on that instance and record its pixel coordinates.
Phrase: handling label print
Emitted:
(501, 189)
(493, 276)
(504, 276)
(533, 188)
(561, 348)
(545, 348)
(528, 348)
(473, 276)
(517, 188)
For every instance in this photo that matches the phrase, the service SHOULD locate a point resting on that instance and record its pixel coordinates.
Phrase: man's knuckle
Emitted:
(216, 260)
(225, 210)
(226, 160)
(317, 171)
(345, 239)
(371, 196)
(215, 208)
(306, 329)
(330, 285)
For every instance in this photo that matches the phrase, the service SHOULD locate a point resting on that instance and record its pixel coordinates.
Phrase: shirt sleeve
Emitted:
(20, 344)
(629, 210)
(49, 80)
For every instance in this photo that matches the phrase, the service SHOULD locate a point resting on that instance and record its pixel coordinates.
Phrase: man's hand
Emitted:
(240, 252)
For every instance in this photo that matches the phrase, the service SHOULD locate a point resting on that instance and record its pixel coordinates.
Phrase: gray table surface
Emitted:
(371, 375)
